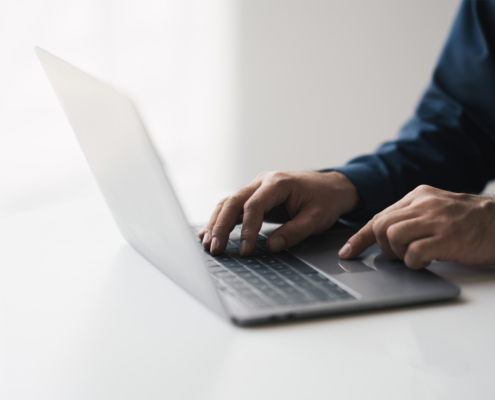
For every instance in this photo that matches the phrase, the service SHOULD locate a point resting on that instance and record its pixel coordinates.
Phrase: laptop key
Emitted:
(272, 277)
(265, 257)
(230, 264)
(318, 294)
(281, 284)
(221, 273)
(246, 275)
(317, 277)
(223, 259)
(279, 267)
(304, 284)
(264, 271)
(237, 284)
(289, 289)
(304, 270)
(328, 284)
(294, 277)
(247, 260)
(254, 281)
(244, 291)
(273, 263)
(229, 279)
(262, 287)
(255, 267)
(286, 272)
(238, 269)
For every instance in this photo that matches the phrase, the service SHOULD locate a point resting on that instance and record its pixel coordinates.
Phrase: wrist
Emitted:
(348, 199)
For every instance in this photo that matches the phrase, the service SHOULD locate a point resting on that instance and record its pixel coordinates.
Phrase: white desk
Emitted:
(83, 316)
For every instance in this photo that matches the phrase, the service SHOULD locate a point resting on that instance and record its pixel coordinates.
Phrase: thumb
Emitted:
(359, 242)
(294, 231)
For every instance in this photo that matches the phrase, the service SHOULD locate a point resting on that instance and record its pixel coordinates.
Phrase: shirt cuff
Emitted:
(374, 188)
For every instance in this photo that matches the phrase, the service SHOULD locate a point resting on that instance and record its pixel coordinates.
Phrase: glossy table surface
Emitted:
(83, 316)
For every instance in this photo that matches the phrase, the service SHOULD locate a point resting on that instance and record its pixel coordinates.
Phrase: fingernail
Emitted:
(206, 237)
(345, 250)
(214, 244)
(277, 244)
(244, 247)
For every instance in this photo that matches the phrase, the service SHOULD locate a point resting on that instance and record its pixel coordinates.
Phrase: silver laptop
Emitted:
(308, 280)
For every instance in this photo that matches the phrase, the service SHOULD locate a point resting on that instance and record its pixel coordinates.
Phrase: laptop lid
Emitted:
(131, 176)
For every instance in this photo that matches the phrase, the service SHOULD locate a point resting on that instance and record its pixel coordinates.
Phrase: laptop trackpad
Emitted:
(321, 252)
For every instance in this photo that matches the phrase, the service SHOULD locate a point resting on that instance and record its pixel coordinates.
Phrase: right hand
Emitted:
(305, 202)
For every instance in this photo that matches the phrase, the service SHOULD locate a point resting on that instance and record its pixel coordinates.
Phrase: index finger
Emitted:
(359, 242)
(227, 217)
(365, 236)
(263, 200)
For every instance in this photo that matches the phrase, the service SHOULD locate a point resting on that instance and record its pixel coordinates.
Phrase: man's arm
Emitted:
(450, 142)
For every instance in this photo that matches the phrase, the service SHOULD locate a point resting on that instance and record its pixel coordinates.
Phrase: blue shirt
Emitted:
(450, 141)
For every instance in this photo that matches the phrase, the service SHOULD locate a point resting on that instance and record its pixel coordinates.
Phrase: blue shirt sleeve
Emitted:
(450, 141)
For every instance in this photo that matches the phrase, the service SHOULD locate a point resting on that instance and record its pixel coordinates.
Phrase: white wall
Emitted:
(324, 81)
(228, 87)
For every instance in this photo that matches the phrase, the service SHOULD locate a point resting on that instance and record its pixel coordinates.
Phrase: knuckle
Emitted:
(413, 253)
(316, 214)
(251, 206)
(431, 201)
(376, 217)
(379, 228)
(233, 201)
(393, 233)
(278, 176)
(261, 175)
(222, 202)
(423, 189)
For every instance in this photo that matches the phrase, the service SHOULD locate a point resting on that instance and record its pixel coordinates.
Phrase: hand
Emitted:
(431, 224)
(306, 202)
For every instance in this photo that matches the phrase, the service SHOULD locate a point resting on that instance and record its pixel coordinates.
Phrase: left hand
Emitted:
(431, 224)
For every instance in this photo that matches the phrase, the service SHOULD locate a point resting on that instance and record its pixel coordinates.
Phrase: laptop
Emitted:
(306, 281)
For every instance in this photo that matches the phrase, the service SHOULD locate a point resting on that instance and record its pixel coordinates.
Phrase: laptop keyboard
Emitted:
(265, 279)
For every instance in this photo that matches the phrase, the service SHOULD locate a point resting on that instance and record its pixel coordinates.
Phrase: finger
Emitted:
(421, 253)
(365, 237)
(228, 217)
(305, 223)
(384, 221)
(209, 226)
(359, 242)
(263, 200)
(402, 234)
